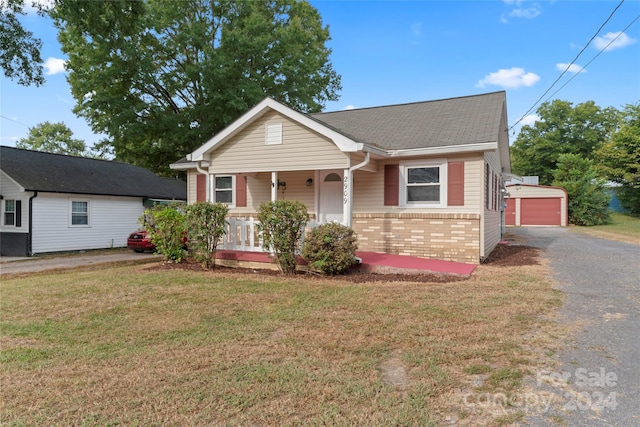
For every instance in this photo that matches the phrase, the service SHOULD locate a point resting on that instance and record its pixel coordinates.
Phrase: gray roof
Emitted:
(455, 121)
(57, 173)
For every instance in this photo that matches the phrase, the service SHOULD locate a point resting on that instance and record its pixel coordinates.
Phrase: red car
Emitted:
(140, 242)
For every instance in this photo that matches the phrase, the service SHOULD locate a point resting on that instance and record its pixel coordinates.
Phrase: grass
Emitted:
(135, 345)
(623, 228)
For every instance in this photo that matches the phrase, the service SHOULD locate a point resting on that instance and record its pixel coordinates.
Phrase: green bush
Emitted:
(206, 224)
(330, 248)
(281, 226)
(165, 227)
(588, 201)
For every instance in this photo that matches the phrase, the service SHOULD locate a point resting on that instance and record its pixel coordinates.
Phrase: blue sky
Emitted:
(392, 52)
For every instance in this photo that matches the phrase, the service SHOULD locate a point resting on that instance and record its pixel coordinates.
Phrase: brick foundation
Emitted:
(451, 237)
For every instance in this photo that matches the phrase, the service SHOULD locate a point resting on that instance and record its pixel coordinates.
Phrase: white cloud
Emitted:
(530, 120)
(573, 68)
(349, 107)
(510, 78)
(611, 41)
(521, 11)
(54, 66)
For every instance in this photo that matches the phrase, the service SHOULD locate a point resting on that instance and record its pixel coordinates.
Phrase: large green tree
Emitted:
(19, 49)
(561, 129)
(53, 138)
(619, 158)
(161, 77)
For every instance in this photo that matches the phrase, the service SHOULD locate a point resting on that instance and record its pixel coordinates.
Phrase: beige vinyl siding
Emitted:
(301, 149)
(191, 186)
(492, 232)
(369, 189)
(259, 190)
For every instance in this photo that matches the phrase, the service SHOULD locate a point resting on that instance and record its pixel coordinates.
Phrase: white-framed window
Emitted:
(80, 213)
(273, 133)
(10, 212)
(423, 183)
(223, 189)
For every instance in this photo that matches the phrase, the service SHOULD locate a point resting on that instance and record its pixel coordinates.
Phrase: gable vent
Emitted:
(273, 133)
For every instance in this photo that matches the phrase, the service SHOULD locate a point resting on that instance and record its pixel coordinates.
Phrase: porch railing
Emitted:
(242, 235)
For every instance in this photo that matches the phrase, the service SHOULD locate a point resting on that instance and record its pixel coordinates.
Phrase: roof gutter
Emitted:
(30, 235)
(466, 148)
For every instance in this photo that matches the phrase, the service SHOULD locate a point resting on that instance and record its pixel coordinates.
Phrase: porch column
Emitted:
(211, 185)
(274, 186)
(347, 197)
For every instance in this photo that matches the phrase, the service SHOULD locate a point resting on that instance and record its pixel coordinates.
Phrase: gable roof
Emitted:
(343, 142)
(465, 120)
(58, 173)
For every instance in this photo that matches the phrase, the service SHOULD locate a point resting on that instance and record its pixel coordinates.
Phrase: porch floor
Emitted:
(372, 262)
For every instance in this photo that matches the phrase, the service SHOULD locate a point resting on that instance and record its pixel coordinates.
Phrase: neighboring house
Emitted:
(421, 179)
(52, 202)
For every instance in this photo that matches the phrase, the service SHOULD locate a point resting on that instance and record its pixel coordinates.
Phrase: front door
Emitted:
(331, 192)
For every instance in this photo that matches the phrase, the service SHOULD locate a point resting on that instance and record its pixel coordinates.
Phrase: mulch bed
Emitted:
(502, 255)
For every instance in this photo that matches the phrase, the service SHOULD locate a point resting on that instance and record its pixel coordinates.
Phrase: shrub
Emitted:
(330, 248)
(588, 200)
(281, 225)
(165, 227)
(205, 224)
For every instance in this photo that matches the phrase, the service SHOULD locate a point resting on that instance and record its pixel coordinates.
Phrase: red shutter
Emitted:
(241, 191)
(391, 185)
(455, 184)
(201, 188)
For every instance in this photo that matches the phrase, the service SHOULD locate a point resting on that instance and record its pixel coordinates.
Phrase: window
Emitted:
(13, 213)
(273, 134)
(79, 213)
(224, 189)
(424, 184)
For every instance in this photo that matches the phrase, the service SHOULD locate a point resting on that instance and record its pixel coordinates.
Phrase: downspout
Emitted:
(365, 162)
(206, 173)
(30, 235)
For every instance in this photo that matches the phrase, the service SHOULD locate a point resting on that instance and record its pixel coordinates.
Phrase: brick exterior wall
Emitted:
(452, 237)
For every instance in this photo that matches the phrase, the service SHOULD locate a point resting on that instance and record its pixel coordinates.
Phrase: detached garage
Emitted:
(536, 205)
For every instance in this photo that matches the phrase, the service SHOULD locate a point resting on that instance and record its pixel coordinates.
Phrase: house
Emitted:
(421, 179)
(52, 202)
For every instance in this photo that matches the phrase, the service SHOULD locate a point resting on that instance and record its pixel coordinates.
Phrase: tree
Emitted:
(588, 201)
(562, 129)
(19, 49)
(162, 77)
(619, 158)
(53, 138)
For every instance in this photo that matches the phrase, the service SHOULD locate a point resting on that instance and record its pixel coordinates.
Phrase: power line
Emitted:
(592, 59)
(15, 121)
(569, 66)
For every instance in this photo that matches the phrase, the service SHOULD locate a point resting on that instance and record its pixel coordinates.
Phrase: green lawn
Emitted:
(624, 228)
(140, 345)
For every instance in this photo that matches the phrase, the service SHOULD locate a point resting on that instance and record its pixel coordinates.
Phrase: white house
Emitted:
(52, 202)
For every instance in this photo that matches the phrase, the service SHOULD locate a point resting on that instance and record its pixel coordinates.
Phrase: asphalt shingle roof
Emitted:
(454, 121)
(57, 173)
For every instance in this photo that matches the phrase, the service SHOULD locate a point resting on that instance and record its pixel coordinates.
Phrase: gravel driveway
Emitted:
(597, 382)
